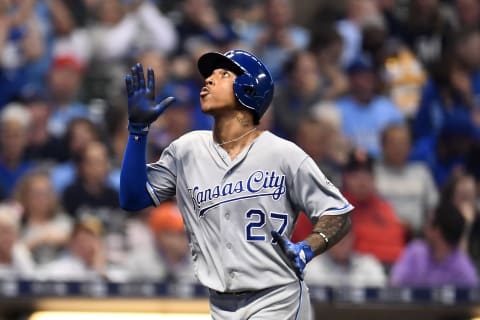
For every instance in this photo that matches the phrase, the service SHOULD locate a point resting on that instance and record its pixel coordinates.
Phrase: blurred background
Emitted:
(383, 94)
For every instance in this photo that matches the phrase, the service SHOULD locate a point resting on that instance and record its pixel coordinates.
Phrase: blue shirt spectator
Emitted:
(25, 49)
(363, 123)
(64, 84)
(454, 89)
(365, 113)
(446, 151)
(433, 110)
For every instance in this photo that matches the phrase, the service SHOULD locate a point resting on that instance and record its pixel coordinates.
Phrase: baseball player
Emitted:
(239, 190)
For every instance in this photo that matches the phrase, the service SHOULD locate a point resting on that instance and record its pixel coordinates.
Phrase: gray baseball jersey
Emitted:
(230, 206)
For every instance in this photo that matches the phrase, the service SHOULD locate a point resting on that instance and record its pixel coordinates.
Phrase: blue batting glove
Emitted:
(142, 110)
(299, 253)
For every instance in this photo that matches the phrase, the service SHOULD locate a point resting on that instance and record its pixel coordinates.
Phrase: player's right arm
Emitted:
(141, 113)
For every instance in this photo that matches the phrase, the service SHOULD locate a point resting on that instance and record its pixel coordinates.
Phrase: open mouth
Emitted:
(204, 92)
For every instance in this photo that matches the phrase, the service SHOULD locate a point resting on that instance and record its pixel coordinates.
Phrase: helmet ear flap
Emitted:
(245, 90)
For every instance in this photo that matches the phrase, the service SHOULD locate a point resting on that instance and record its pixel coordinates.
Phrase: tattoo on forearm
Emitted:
(333, 227)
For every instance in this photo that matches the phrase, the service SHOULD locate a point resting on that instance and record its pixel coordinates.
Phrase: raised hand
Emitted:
(299, 253)
(142, 110)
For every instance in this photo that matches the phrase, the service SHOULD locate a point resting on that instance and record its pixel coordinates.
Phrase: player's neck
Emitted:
(234, 131)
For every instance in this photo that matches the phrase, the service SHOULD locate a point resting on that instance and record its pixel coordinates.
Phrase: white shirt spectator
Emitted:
(410, 190)
(67, 268)
(149, 265)
(15, 259)
(360, 271)
(21, 266)
(59, 226)
(341, 266)
(144, 27)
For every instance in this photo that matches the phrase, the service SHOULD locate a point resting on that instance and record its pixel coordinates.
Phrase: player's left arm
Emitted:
(328, 231)
(315, 195)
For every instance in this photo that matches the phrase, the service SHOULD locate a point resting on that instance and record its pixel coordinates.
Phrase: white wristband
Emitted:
(325, 238)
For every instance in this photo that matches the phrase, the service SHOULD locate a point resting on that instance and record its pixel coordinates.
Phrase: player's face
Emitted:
(217, 95)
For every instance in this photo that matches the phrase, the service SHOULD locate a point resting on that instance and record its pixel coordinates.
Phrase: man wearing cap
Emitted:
(64, 81)
(365, 113)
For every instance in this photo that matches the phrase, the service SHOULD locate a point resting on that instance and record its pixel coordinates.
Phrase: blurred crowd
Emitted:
(383, 94)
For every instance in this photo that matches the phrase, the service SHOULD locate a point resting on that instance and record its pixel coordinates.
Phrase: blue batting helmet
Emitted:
(253, 86)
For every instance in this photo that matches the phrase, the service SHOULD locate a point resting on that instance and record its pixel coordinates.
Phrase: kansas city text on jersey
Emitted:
(258, 184)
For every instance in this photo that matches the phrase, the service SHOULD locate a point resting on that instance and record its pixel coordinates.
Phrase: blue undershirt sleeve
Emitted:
(133, 175)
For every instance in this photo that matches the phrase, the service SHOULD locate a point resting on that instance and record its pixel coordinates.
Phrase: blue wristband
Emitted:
(138, 128)
(307, 250)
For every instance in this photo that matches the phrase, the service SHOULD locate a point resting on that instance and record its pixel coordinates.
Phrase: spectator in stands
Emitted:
(64, 84)
(160, 64)
(80, 132)
(341, 266)
(201, 22)
(176, 121)
(365, 113)
(453, 89)
(83, 258)
(408, 187)
(42, 145)
(324, 124)
(138, 235)
(15, 122)
(390, 10)
(170, 259)
(120, 29)
(278, 37)
(117, 137)
(357, 14)
(45, 228)
(69, 37)
(242, 13)
(21, 47)
(15, 259)
(302, 89)
(426, 30)
(467, 14)
(461, 191)
(327, 45)
(374, 43)
(448, 152)
(91, 195)
(404, 77)
(119, 32)
(90, 191)
(437, 260)
(184, 83)
(375, 225)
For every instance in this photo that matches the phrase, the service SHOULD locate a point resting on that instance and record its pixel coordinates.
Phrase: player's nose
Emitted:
(209, 81)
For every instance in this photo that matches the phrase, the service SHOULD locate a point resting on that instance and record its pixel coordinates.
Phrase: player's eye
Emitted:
(225, 74)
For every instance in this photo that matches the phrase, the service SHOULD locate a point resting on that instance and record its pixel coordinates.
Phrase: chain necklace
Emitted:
(238, 138)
